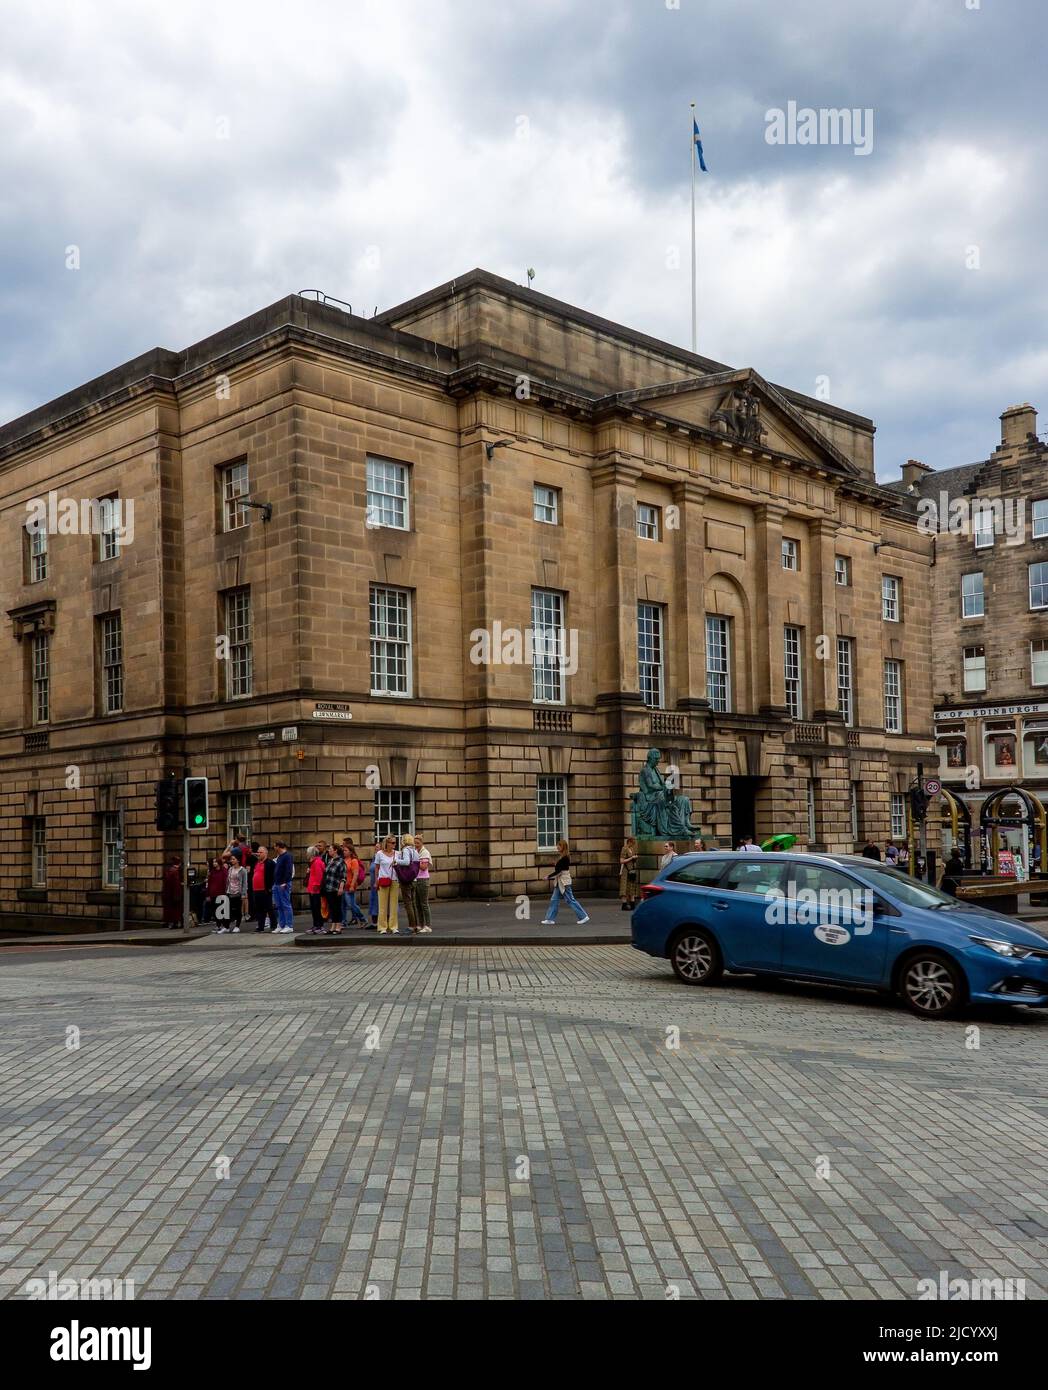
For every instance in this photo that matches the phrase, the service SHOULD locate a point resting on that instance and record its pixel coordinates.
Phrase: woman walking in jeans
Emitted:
(422, 885)
(561, 880)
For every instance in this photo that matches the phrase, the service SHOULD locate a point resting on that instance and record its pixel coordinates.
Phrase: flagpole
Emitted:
(694, 311)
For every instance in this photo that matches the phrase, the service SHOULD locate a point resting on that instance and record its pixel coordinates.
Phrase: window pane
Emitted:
(845, 693)
(234, 487)
(647, 521)
(41, 678)
(718, 664)
(387, 494)
(703, 873)
(394, 813)
(972, 595)
(390, 641)
(892, 698)
(650, 653)
(544, 504)
(1040, 517)
(1039, 585)
(239, 674)
(794, 698)
(551, 811)
(547, 627)
(754, 875)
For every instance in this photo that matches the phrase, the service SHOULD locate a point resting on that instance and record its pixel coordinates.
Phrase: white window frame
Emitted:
(892, 680)
(40, 677)
(983, 536)
(545, 504)
(1039, 648)
(853, 800)
(790, 554)
(388, 494)
(718, 663)
(891, 598)
(394, 813)
(846, 679)
(108, 536)
(793, 669)
(897, 813)
(38, 558)
(973, 595)
(240, 661)
(110, 832)
(841, 571)
(813, 825)
(547, 667)
(649, 521)
(1040, 585)
(1039, 522)
(38, 852)
(551, 811)
(651, 653)
(111, 652)
(236, 484)
(238, 815)
(973, 668)
(390, 640)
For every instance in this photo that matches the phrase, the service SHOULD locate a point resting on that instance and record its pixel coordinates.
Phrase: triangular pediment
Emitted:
(740, 407)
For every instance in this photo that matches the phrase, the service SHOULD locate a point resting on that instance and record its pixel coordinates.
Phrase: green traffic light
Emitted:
(198, 819)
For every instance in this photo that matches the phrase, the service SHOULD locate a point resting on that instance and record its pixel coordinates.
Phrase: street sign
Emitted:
(932, 786)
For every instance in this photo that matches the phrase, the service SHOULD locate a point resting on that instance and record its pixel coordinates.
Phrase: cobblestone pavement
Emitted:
(504, 1123)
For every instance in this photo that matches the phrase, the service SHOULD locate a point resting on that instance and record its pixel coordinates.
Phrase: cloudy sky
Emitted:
(206, 159)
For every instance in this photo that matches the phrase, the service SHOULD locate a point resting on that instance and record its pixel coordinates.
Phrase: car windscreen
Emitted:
(906, 889)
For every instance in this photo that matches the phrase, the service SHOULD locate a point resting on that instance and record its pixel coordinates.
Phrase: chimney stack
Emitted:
(1017, 422)
(913, 470)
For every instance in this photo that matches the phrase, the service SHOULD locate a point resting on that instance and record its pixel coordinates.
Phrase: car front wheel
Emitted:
(695, 958)
(932, 986)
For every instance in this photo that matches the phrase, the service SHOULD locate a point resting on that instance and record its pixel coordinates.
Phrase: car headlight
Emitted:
(1003, 948)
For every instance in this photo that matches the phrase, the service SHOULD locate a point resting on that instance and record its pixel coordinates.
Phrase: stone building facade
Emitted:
(990, 673)
(343, 531)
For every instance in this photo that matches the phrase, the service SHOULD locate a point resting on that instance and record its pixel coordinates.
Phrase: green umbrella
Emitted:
(779, 842)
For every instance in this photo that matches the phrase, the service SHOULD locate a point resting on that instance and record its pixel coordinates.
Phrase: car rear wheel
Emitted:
(695, 957)
(932, 986)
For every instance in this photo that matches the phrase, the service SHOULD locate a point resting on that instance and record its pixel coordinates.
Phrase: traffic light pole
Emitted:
(924, 822)
(185, 880)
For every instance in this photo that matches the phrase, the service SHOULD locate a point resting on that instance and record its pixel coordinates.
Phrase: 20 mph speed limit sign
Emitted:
(932, 786)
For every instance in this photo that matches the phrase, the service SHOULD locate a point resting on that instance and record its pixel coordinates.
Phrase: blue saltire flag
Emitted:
(698, 146)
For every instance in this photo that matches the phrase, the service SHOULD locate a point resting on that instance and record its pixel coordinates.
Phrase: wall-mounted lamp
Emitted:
(266, 508)
(489, 449)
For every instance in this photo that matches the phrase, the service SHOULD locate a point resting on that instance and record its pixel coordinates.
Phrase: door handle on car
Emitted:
(722, 907)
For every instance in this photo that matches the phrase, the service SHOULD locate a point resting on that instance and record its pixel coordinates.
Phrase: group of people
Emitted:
(249, 882)
(395, 875)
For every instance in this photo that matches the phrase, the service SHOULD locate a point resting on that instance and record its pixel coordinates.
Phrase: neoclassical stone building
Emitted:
(344, 530)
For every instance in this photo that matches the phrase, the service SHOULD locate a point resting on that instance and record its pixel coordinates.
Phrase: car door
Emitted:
(832, 930)
(745, 912)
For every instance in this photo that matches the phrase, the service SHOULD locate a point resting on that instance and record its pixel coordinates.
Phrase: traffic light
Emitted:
(196, 803)
(918, 803)
(167, 817)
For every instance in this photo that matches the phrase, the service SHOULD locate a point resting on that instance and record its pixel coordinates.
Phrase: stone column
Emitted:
(688, 619)
(615, 522)
(770, 677)
(823, 679)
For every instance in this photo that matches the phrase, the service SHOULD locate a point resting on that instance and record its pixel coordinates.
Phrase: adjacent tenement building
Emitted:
(990, 672)
(455, 568)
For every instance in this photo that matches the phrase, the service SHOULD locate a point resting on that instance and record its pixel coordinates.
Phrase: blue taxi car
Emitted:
(837, 919)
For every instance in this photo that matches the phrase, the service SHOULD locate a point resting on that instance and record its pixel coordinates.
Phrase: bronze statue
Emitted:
(659, 812)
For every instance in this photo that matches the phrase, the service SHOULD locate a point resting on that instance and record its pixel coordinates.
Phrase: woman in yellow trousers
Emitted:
(388, 887)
